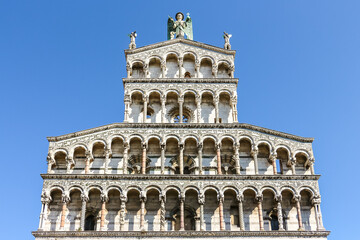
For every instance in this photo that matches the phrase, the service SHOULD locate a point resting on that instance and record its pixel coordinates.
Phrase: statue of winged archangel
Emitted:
(180, 27)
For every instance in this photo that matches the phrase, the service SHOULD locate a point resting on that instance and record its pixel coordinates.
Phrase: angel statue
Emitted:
(180, 27)
(227, 37)
(132, 36)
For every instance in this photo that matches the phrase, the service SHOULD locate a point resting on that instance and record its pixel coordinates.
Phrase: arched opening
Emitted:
(154, 154)
(154, 108)
(74, 210)
(209, 156)
(79, 159)
(246, 161)
(189, 106)
(223, 70)
(289, 211)
(113, 210)
(152, 208)
(155, 68)
(98, 152)
(93, 207)
(251, 217)
(282, 161)
(231, 211)
(227, 156)
(90, 223)
(133, 208)
(307, 211)
(189, 65)
(206, 68)
(172, 156)
(225, 109)
(135, 156)
(60, 162)
(172, 106)
(269, 211)
(138, 70)
(117, 150)
(172, 66)
(211, 211)
(264, 166)
(207, 108)
(136, 107)
(172, 204)
(300, 167)
(190, 156)
(55, 208)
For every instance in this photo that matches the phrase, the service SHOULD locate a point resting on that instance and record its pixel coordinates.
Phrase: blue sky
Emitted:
(61, 64)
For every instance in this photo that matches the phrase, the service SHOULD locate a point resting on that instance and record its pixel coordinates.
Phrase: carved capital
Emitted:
(84, 197)
(104, 197)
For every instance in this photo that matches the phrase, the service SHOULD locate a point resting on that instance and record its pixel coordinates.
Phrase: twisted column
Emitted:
(278, 200)
(240, 199)
(87, 161)
(123, 200)
(218, 158)
(142, 212)
(259, 199)
(84, 200)
(254, 153)
(162, 212)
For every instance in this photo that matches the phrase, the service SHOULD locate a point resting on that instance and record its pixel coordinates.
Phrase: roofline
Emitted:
(186, 125)
(181, 80)
(177, 40)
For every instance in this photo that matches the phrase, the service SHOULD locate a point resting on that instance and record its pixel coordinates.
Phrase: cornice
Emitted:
(180, 80)
(146, 234)
(178, 40)
(182, 126)
(179, 177)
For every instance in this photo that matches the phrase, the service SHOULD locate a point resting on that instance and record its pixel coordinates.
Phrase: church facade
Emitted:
(180, 165)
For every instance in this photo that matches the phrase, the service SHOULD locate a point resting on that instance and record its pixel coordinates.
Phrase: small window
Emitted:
(279, 166)
(187, 75)
(184, 119)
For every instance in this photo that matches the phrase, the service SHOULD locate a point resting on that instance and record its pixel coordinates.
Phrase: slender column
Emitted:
(162, 158)
(87, 161)
(142, 213)
(65, 199)
(123, 200)
(254, 154)
(163, 69)
(292, 164)
(311, 162)
(221, 212)
(45, 200)
(316, 203)
(197, 68)
(181, 158)
(180, 63)
(218, 158)
(107, 160)
(128, 70)
(125, 158)
(234, 103)
(232, 69)
(163, 108)
(127, 107)
(214, 70)
(240, 199)
(146, 70)
(200, 146)
(216, 102)
(162, 212)
(69, 163)
(143, 159)
(278, 199)
(237, 157)
(50, 162)
(201, 200)
(298, 209)
(182, 201)
(272, 160)
(103, 210)
(259, 199)
(198, 108)
(181, 103)
(145, 109)
(84, 200)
